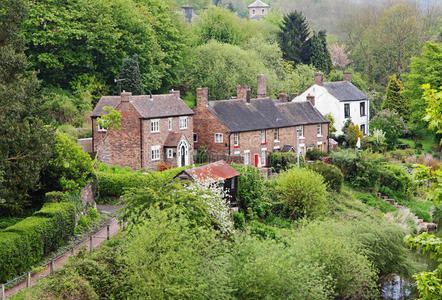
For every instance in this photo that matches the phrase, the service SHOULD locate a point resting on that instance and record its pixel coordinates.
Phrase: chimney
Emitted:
(311, 99)
(283, 97)
(125, 96)
(188, 13)
(262, 87)
(202, 97)
(176, 93)
(319, 77)
(241, 92)
(346, 76)
(294, 95)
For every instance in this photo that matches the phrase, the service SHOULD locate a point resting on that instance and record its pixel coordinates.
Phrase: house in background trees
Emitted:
(341, 99)
(154, 129)
(258, 9)
(252, 128)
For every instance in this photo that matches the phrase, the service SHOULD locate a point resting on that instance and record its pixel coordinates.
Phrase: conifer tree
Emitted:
(318, 53)
(394, 99)
(131, 76)
(293, 38)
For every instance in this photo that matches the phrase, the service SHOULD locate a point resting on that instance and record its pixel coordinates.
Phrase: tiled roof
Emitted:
(264, 113)
(344, 91)
(258, 3)
(172, 139)
(158, 106)
(216, 171)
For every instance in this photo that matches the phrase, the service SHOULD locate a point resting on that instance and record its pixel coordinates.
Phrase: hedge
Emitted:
(332, 175)
(26, 242)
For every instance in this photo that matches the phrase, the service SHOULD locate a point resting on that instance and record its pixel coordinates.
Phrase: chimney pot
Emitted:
(311, 99)
(262, 86)
(176, 93)
(346, 76)
(125, 96)
(284, 97)
(202, 97)
(319, 78)
(241, 92)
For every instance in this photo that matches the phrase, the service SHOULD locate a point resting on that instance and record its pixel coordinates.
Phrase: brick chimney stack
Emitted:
(346, 76)
(125, 96)
(283, 97)
(202, 97)
(176, 93)
(311, 99)
(262, 86)
(241, 92)
(319, 78)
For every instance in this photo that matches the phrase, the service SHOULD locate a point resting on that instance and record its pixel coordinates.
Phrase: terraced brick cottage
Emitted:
(154, 129)
(254, 127)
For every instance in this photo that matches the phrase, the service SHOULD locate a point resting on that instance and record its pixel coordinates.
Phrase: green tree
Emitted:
(426, 69)
(293, 37)
(25, 140)
(318, 53)
(433, 99)
(394, 99)
(130, 74)
(391, 124)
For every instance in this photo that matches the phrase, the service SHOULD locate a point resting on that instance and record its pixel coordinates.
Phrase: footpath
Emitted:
(97, 239)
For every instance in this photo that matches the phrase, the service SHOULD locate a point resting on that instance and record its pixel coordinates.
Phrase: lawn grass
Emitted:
(189, 102)
(426, 140)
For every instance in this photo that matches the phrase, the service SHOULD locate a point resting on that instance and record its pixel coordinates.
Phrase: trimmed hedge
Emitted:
(26, 242)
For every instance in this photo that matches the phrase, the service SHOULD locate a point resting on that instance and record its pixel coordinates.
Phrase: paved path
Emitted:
(98, 238)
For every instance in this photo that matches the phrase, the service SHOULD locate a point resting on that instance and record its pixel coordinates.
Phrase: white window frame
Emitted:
(169, 153)
(232, 183)
(155, 128)
(319, 130)
(263, 136)
(170, 124)
(155, 153)
(195, 137)
(263, 157)
(253, 11)
(276, 135)
(300, 129)
(218, 138)
(183, 123)
(247, 157)
(236, 139)
(237, 153)
(100, 129)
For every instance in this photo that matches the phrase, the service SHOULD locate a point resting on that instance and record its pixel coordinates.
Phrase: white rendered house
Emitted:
(341, 99)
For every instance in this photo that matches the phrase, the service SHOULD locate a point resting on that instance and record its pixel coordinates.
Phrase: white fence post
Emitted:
(28, 279)
(90, 244)
(3, 292)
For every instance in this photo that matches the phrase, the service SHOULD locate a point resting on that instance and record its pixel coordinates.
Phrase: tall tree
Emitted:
(24, 140)
(130, 76)
(317, 52)
(394, 99)
(293, 37)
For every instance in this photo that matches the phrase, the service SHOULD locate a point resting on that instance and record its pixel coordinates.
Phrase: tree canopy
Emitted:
(293, 37)
(394, 99)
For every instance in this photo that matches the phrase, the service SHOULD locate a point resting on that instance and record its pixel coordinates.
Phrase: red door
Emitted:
(256, 160)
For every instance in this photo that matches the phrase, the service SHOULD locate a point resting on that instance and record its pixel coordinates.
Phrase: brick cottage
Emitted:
(254, 127)
(154, 129)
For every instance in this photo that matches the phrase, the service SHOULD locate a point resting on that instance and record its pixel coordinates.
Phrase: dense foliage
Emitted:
(391, 124)
(333, 177)
(394, 98)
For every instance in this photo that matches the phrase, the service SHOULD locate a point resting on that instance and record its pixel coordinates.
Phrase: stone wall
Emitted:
(87, 196)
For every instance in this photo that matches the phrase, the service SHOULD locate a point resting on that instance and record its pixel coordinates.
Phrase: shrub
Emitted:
(24, 243)
(314, 154)
(113, 185)
(333, 177)
(239, 220)
(374, 201)
(303, 191)
(391, 124)
(252, 194)
(281, 160)
(397, 179)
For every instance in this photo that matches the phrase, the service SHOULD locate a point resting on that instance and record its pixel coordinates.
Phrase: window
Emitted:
(218, 138)
(100, 128)
(155, 126)
(300, 131)
(319, 130)
(263, 136)
(246, 157)
(362, 108)
(169, 153)
(232, 183)
(236, 139)
(155, 152)
(183, 122)
(170, 124)
(262, 11)
(253, 12)
(195, 138)
(276, 134)
(347, 110)
(263, 157)
(363, 129)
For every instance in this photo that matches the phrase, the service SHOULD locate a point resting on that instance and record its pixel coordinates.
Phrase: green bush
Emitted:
(113, 185)
(374, 201)
(303, 191)
(333, 177)
(24, 243)
(314, 154)
(396, 179)
(239, 220)
(281, 160)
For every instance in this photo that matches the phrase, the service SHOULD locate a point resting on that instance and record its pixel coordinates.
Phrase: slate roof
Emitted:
(258, 3)
(344, 91)
(159, 106)
(264, 113)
